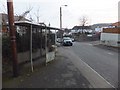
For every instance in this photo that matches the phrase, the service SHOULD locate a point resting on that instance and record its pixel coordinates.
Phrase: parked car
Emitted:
(67, 42)
(59, 40)
(89, 35)
(72, 39)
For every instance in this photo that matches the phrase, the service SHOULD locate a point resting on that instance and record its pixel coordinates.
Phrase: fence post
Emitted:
(46, 43)
(31, 47)
(40, 42)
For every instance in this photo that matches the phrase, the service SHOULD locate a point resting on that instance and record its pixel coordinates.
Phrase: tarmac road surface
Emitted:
(102, 62)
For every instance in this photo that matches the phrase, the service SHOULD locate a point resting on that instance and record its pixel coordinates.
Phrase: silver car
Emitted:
(67, 42)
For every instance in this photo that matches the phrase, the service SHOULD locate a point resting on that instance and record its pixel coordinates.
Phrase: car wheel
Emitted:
(71, 44)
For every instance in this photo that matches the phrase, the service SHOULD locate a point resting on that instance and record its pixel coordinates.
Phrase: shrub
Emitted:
(6, 50)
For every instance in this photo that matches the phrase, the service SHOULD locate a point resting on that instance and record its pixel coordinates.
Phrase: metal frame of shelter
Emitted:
(32, 27)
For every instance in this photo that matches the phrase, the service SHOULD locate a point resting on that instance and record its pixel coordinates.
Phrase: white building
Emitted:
(111, 37)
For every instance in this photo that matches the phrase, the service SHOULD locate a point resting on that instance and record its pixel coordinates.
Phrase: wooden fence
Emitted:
(111, 30)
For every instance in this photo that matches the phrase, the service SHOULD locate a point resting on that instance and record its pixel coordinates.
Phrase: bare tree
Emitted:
(3, 7)
(37, 15)
(83, 20)
(23, 15)
(30, 17)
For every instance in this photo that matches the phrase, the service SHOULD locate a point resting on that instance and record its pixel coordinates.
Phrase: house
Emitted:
(99, 27)
(81, 29)
(110, 36)
(5, 21)
(16, 18)
(117, 24)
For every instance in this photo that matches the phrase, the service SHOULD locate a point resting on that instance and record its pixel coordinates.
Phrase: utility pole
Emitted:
(12, 37)
(61, 32)
(60, 18)
(61, 23)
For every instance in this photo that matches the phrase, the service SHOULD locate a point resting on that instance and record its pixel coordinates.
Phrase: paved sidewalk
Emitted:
(99, 45)
(60, 73)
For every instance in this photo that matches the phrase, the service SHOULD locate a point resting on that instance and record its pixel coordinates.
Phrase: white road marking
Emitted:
(90, 73)
(90, 44)
(110, 53)
(93, 44)
(96, 44)
(97, 73)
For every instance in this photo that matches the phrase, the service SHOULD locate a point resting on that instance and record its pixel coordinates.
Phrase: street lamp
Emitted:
(61, 19)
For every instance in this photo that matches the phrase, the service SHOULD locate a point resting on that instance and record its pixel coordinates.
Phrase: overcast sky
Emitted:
(97, 11)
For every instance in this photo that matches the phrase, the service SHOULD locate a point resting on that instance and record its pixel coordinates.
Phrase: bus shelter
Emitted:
(35, 41)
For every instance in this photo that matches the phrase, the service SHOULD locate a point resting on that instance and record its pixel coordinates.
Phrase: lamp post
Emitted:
(61, 20)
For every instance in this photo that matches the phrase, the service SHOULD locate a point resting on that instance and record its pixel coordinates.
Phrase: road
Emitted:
(102, 61)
